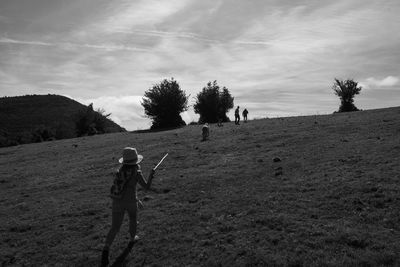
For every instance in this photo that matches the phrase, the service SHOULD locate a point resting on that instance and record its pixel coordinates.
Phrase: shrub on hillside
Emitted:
(43, 133)
(90, 122)
(100, 120)
(212, 104)
(346, 91)
(163, 104)
(6, 140)
(63, 131)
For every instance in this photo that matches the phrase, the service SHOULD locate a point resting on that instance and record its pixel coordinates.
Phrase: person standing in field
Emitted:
(124, 198)
(221, 115)
(237, 116)
(244, 113)
(205, 131)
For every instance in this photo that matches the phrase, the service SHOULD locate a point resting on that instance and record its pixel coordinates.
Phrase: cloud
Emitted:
(4, 40)
(171, 34)
(68, 45)
(4, 19)
(9, 82)
(147, 13)
(372, 82)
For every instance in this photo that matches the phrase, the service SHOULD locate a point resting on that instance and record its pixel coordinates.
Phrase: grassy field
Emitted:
(298, 191)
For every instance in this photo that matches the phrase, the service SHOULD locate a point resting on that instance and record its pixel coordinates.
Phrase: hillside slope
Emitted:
(331, 199)
(21, 115)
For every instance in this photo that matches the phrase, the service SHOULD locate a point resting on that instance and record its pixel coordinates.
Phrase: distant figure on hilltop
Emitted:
(124, 198)
(205, 132)
(245, 112)
(237, 116)
(221, 117)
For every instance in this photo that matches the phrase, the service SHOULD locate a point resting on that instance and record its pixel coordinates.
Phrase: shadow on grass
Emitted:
(122, 260)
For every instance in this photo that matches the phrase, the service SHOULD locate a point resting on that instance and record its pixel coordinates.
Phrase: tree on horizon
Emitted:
(346, 91)
(212, 103)
(163, 104)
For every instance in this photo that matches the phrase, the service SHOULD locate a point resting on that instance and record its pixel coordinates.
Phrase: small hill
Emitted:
(296, 191)
(22, 116)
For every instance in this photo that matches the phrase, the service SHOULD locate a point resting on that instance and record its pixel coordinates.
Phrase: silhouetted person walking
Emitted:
(237, 116)
(123, 193)
(221, 115)
(245, 112)
(205, 131)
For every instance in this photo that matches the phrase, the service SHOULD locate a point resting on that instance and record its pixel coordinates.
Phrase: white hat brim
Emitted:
(139, 159)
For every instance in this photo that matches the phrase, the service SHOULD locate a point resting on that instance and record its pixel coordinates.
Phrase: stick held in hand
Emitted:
(158, 164)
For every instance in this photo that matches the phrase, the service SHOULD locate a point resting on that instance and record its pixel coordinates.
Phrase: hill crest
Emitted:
(22, 116)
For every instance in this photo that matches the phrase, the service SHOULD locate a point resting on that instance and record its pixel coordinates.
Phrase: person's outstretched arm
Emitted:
(146, 183)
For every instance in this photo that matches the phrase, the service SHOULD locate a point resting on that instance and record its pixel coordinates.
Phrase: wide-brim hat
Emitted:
(130, 156)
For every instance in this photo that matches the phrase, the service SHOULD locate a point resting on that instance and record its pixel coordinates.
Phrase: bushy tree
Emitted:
(90, 122)
(163, 104)
(6, 139)
(100, 120)
(42, 133)
(212, 103)
(346, 90)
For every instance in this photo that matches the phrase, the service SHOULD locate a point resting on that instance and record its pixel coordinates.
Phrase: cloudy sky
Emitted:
(277, 57)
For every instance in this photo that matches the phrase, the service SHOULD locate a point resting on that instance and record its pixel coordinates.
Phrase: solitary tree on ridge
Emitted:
(163, 104)
(212, 103)
(346, 91)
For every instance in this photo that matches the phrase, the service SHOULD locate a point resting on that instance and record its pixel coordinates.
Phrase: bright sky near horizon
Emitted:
(277, 57)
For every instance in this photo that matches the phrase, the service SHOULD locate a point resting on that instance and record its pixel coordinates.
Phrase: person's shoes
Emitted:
(104, 258)
(132, 242)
